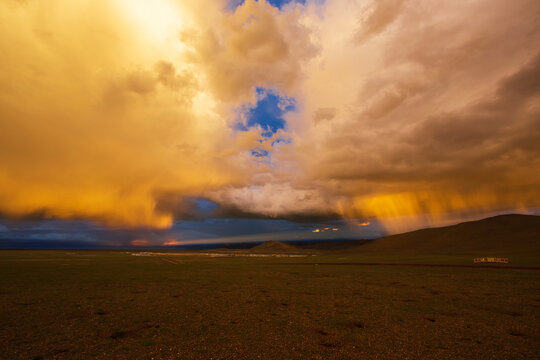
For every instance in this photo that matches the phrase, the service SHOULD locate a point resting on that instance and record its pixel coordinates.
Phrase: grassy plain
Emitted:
(109, 304)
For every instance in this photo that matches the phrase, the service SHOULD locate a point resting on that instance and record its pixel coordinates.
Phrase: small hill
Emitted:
(495, 236)
(275, 247)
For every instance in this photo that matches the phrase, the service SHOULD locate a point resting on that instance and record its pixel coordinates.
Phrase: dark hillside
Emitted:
(492, 236)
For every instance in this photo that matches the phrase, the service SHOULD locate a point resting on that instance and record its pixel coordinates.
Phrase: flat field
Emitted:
(112, 305)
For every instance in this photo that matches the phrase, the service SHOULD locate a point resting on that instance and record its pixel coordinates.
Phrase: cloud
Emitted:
(105, 106)
(377, 16)
(98, 120)
(256, 45)
(433, 115)
(273, 199)
(124, 113)
(139, 242)
(172, 243)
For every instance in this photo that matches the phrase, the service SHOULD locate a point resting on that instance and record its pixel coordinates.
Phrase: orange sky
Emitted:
(407, 110)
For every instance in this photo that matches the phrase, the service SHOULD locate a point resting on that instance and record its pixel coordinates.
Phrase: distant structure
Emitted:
(491, 260)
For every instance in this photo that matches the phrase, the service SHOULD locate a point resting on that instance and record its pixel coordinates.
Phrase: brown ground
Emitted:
(111, 305)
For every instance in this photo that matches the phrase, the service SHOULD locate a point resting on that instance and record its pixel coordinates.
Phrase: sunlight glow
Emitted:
(139, 242)
(172, 242)
(158, 19)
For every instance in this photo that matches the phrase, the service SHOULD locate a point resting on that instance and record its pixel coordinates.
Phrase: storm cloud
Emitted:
(124, 113)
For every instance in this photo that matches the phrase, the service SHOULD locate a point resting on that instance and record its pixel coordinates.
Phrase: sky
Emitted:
(172, 122)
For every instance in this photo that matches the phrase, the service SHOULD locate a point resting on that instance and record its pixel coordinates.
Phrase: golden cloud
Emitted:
(115, 111)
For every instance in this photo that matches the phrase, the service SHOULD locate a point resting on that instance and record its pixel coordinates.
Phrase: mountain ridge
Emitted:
(498, 235)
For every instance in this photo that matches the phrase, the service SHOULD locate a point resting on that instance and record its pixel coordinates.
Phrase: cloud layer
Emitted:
(438, 112)
(120, 112)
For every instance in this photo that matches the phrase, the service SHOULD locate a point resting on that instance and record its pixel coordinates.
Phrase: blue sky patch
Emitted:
(268, 113)
(233, 4)
(205, 205)
(280, 3)
(267, 117)
(281, 140)
(259, 153)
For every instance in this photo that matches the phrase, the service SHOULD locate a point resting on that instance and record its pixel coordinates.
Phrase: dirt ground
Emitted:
(104, 305)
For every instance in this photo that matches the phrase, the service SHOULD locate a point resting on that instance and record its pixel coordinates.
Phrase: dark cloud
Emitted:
(377, 17)
(489, 130)
(304, 217)
(323, 114)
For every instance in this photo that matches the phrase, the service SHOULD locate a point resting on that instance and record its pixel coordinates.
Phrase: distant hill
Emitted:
(275, 247)
(497, 235)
